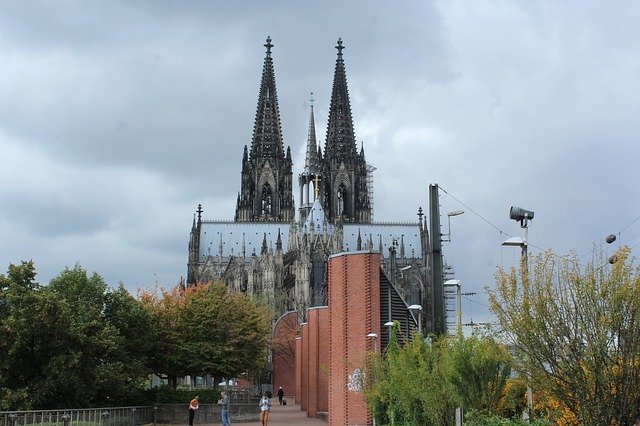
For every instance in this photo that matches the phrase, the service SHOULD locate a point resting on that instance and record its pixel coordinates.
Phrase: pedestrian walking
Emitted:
(265, 407)
(193, 406)
(280, 395)
(226, 405)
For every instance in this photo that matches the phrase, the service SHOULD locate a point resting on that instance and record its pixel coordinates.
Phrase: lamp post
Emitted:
(375, 349)
(523, 216)
(418, 308)
(375, 341)
(449, 215)
(389, 325)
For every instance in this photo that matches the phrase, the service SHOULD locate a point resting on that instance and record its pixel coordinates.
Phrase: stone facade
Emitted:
(267, 250)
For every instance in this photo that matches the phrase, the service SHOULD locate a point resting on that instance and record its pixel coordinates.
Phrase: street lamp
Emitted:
(388, 324)
(523, 216)
(449, 215)
(418, 308)
(375, 341)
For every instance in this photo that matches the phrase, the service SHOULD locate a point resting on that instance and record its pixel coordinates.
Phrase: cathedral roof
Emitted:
(228, 238)
(316, 220)
(381, 236)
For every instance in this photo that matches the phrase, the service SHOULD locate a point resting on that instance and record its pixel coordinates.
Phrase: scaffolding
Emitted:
(370, 170)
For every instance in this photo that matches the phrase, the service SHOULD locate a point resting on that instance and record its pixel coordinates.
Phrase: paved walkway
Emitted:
(289, 414)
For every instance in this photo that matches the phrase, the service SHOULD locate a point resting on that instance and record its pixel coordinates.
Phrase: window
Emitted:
(267, 200)
(342, 201)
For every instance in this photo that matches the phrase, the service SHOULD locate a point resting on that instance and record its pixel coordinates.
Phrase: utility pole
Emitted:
(435, 256)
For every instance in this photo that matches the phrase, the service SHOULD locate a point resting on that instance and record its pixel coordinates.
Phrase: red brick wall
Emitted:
(284, 355)
(318, 358)
(333, 344)
(323, 360)
(312, 365)
(298, 370)
(305, 368)
(354, 311)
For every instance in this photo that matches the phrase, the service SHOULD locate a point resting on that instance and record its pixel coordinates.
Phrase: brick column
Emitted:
(298, 396)
(354, 311)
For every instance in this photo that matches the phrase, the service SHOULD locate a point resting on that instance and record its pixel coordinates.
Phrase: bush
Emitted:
(476, 418)
(168, 395)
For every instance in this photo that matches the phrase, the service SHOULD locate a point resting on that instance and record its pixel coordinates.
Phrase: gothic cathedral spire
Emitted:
(266, 187)
(344, 170)
(309, 179)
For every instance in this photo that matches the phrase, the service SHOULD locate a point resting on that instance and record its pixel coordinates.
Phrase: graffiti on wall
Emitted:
(355, 382)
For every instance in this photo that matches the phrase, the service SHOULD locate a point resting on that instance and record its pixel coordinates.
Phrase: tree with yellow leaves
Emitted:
(576, 330)
(207, 329)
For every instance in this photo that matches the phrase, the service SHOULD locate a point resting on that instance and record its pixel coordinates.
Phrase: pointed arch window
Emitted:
(341, 207)
(318, 279)
(266, 202)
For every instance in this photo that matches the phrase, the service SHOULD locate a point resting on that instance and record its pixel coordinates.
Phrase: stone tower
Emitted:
(345, 196)
(310, 179)
(266, 188)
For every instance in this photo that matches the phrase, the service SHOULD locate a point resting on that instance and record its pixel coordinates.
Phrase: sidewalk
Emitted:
(289, 414)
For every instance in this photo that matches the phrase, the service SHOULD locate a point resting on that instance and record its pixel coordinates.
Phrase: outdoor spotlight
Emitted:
(518, 213)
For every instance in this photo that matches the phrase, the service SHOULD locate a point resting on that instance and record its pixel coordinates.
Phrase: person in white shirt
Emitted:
(265, 407)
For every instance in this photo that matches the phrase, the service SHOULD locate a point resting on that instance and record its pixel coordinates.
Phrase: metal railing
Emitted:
(118, 416)
(131, 416)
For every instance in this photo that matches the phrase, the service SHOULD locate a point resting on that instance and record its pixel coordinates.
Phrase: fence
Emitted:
(119, 416)
(128, 416)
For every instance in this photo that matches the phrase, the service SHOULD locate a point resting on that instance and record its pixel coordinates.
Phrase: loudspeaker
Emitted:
(518, 213)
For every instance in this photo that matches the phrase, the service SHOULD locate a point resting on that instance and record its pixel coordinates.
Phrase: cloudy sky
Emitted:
(117, 118)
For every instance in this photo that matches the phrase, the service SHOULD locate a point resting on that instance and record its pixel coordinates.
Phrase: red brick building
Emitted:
(331, 347)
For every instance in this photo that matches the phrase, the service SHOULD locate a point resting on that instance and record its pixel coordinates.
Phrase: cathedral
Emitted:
(270, 251)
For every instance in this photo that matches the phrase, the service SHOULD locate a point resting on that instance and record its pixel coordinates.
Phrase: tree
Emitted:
(481, 367)
(69, 344)
(35, 327)
(578, 330)
(136, 342)
(94, 343)
(284, 342)
(164, 307)
(410, 384)
(205, 329)
(227, 332)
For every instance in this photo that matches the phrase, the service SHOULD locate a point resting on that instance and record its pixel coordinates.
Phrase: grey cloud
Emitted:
(118, 118)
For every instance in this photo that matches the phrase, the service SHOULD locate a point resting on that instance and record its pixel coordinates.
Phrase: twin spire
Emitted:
(267, 133)
(341, 141)
(266, 189)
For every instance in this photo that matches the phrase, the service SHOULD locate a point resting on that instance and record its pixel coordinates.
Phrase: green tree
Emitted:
(410, 384)
(136, 341)
(578, 329)
(226, 333)
(206, 329)
(481, 367)
(163, 308)
(69, 344)
(35, 329)
(94, 342)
